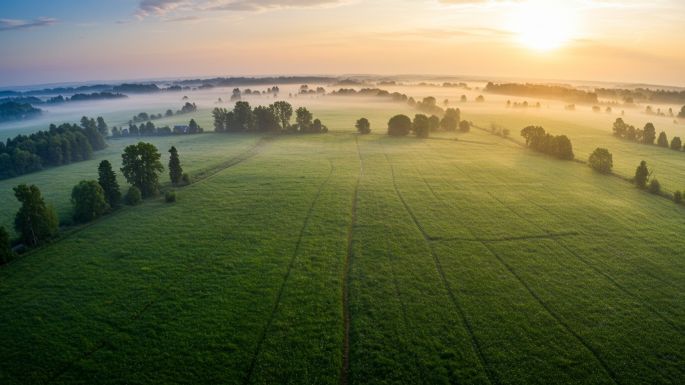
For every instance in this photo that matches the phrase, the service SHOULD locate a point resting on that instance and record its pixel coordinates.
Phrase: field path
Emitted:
(349, 256)
(281, 289)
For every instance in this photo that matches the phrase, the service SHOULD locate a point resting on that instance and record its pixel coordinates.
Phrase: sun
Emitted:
(543, 25)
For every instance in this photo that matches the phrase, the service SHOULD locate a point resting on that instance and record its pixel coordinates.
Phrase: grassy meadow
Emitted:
(338, 258)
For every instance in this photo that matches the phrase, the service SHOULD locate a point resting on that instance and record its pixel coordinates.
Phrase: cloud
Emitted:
(12, 24)
(162, 7)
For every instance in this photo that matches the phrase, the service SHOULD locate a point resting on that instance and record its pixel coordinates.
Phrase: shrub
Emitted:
(678, 197)
(133, 196)
(185, 179)
(363, 126)
(35, 221)
(654, 186)
(601, 160)
(170, 197)
(641, 175)
(464, 126)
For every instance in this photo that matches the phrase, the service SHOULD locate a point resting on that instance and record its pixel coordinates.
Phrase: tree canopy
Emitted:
(641, 175)
(399, 125)
(363, 126)
(141, 167)
(175, 169)
(89, 201)
(35, 221)
(108, 181)
(601, 160)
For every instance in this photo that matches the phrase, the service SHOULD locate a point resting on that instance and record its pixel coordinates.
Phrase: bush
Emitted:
(170, 197)
(133, 196)
(363, 126)
(654, 186)
(678, 197)
(185, 179)
(464, 126)
(601, 160)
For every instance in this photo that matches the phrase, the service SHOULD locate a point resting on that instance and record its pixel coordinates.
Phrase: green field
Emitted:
(306, 258)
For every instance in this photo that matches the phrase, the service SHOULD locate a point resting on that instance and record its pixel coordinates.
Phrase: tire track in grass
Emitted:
(466, 323)
(164, 290)
(349, 256)
(543, 304)
(281, 289)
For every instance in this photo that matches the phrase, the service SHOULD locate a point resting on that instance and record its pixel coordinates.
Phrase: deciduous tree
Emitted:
(141, 167)
(35, 221)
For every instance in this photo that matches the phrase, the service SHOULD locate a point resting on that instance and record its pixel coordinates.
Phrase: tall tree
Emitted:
(175, 169)
(35, 221)
(303, 118)
(102, 127)
(243, 117)
(601, 160)
(676, 143)
(141, 167)
(88, 199)
(648, 134)
(108, 180)
(284, 112)
(6, 253)
(265, 119)
(641, 175)
(421, 126)
(663, 140)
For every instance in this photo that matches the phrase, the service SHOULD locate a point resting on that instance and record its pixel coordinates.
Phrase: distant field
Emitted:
(454, 261)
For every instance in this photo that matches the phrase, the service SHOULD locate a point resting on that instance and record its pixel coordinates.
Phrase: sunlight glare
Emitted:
(543, 25)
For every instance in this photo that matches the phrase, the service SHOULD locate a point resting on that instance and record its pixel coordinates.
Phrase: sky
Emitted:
(88, 40)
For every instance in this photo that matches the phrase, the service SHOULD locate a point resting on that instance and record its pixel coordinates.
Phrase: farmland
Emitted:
(463, 258)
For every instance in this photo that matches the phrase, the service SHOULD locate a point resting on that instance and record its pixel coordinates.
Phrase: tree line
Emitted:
(422, 125)
(59, 145)
(275, 117)
(17, 111)
(37, 222)
(647, 135)
(567, 94)
(149, 129)
(557, 146)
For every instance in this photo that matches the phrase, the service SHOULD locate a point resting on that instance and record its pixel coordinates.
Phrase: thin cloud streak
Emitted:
(13, 24)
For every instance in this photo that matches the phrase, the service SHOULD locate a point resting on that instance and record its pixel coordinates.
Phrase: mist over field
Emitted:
(342, 192)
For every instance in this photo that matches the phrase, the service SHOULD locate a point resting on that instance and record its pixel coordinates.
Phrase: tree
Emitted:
(193, 127)
(433, 123)
(663, 140)
(141, 166)
(175, 169)
(620, 128)
(108, 181)
(363, 126)
(681, 114)
(102, 127)
(678, 196)
(464, 126)
(283, 111)
(6, 253)
(399, 125)
(303, 118)
(265, 119)
(530, 133)
(564, 149)
(133, 196)
(89, 201)
(641, 175)
(601, 160)
(648, 134)
(243, 118)
(676, 144)
(35, 221)
(219, 115)
(421, 126)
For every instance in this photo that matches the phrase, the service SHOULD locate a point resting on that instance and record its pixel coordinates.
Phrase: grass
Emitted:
(468, 261)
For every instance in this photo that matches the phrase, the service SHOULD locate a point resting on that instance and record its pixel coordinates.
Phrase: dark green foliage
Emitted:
(6, 253)
(654, 186)
(58, 146)
(283, 111)
(265, 119)
(303, 119)
(35, 222)
(133, 196)
(681, 114)
(641, 175)
(243, 118)
(676, 143)
(102, 127)
(175, 169)
(141, 166)
(601, 160)
(557, 146)
(567, 94)
(17, 111)
(91, 132)
(170, 197)
(108, 181)
(220, 116)
(464, 126)
(421, 126)
(187, 108)
(89, 201)
(399, 125)
(185, 179)
(433, 123)
(193, 127)
(663, 140)
(448, 123)
(678, 196)
(363, 126)
(648, 134)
